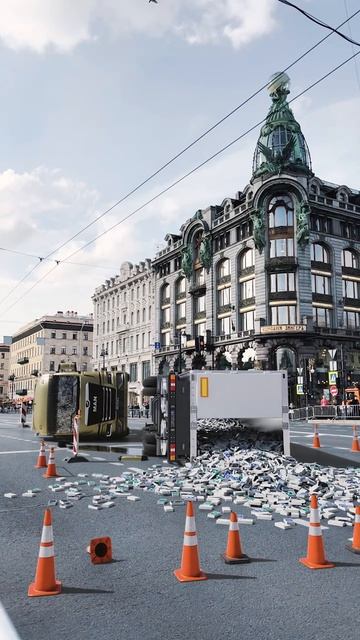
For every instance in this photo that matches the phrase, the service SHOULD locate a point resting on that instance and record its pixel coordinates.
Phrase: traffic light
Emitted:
(199, 344)
(208, 345)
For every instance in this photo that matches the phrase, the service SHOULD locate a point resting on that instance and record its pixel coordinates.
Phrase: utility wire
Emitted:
(357, 76)
(79, 264)
(320, 22)
(179, 180)
(29, 255)
(182, 151)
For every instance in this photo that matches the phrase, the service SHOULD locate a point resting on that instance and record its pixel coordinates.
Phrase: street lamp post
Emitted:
(12, 379)
(103, 354)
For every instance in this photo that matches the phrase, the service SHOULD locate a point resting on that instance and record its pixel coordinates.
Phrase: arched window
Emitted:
(285, 359)
(319, 253)
(180, 307)
(223, 270)
(180, 288)
(247, 259)
(350, 259)
(165, 294)
(281, 212)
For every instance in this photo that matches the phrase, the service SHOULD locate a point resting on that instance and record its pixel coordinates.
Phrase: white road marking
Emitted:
(15, 438)
(331, 435)
(98, 459)
(3, 453)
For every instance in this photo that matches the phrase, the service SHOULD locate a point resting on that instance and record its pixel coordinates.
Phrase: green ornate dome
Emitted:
(281, 143)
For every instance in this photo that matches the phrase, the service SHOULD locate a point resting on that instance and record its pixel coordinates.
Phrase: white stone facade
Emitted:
(123, 322)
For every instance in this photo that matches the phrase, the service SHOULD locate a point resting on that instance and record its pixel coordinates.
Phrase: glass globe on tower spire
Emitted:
(281, 145)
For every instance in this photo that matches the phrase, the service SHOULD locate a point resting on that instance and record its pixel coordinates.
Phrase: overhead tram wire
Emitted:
(182, 151)
(79, 264)
(196, 140)
(320, 22)
(179, 180)
(356, 69)
(41, 260)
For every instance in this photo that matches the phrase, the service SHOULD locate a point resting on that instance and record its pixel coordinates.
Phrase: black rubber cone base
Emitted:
(244, 558)
(76, 459)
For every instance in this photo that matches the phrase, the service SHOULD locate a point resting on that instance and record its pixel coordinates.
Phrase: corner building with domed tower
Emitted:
(269, 279)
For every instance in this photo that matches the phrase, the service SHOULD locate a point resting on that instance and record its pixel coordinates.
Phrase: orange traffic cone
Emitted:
(355, 443)
(355, 546)
(51, 470)
(100, 550)
(190, 562)
(41, 461)
(233, 553)
(45, 583)
(316, 439)
(315, 558)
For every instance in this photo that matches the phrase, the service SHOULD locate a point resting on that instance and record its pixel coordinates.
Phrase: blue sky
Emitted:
(96, 94)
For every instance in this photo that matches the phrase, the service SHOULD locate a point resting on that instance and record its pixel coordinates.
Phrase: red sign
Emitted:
(334, 390)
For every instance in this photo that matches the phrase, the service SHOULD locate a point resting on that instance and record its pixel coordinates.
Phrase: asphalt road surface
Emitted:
(137, 596)
(334, 438)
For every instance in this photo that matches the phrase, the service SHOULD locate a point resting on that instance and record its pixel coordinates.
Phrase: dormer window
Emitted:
(342, 197)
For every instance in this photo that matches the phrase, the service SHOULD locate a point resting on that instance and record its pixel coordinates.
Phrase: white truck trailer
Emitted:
(258, 399)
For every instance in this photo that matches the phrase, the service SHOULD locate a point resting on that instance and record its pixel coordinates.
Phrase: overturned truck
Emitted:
(180, 402)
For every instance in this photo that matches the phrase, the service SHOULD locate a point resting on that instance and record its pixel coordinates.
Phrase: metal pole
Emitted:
(343, 384)
(179, 334)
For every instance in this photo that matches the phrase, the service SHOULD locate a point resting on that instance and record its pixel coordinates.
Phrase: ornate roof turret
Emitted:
(281, 144)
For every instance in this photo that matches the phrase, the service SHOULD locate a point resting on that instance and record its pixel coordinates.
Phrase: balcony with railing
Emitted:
(226, 279)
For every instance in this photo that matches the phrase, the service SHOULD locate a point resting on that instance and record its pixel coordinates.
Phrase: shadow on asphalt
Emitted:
(79, 590)
(262, 560)
(227, 576)
(346, 564)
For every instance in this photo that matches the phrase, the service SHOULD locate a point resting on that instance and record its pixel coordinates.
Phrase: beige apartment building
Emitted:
(4, 372)
(41, 345)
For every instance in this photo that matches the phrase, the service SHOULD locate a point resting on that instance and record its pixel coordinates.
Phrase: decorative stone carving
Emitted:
(257, 217)
(205, 252)
(302, 223)
(187, 261)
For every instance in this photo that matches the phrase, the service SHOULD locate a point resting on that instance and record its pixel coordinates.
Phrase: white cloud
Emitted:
(238, 21)
(64, 24)
(38, 24)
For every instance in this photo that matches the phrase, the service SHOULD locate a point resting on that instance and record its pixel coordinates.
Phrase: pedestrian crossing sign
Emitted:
(299, 389)
(333, 377)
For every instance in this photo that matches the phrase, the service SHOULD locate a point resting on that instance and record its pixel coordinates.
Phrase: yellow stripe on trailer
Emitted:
(204, 387)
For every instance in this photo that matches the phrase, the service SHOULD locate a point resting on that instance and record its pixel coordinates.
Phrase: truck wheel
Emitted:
(151, 381)
(149, 391)
(149, 438)
(149, 450)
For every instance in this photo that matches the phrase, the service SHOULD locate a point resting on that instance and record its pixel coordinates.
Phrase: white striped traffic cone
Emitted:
(190, 562)
(51, 470)
(233, 553)
(41, 461)
(355, 544)
(45, 583)
(315, 558)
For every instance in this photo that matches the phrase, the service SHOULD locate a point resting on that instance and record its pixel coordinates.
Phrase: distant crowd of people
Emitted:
(14, 407)
(135, 411)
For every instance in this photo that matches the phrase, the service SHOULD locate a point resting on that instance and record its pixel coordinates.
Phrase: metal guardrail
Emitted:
(331, 412)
